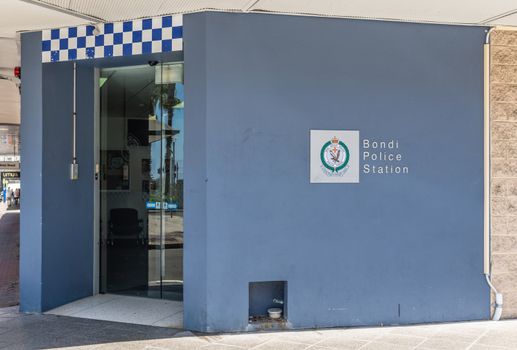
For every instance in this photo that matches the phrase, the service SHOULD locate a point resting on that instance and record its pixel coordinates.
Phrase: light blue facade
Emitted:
(392, 249)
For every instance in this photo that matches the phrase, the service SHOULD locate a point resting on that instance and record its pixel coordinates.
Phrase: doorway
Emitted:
(141, 130)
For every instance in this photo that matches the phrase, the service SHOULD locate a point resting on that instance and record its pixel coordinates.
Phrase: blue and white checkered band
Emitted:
(141, 36)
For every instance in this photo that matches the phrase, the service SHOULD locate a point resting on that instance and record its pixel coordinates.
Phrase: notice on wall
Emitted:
(341, 156)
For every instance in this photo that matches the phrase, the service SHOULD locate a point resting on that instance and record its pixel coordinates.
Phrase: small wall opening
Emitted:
(264, 296)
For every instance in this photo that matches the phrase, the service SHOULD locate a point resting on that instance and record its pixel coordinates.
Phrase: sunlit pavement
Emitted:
(30, 331)
(27, 331)
(9, 255)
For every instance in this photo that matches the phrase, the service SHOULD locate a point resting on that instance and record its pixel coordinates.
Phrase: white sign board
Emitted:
(9, 165)
(334, 156)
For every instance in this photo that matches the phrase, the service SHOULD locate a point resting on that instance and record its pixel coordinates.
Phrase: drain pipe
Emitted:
(486, 127)
(498, 300)
(74, 167)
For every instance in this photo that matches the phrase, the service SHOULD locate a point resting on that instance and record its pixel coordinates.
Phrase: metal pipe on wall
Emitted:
(74, 167)
(486, 155)
(486, 177)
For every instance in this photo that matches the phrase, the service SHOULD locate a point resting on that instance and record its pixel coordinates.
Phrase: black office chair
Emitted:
(125, 225)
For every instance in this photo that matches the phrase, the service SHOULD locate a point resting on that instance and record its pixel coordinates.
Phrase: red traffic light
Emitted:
(18, 72)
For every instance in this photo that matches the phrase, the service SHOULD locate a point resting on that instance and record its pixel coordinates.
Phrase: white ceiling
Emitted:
(17, 16)
(471, 12)
(509, 20)
(9, 102)
(26, 15)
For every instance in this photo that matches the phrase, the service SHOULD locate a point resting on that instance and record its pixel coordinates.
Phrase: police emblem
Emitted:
(334, 157)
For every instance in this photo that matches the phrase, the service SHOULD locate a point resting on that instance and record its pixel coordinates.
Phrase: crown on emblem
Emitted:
(335, 140)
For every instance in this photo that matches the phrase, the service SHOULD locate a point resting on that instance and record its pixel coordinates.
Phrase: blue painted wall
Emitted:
(56, 240)
(31, 177)
(255, 86)
(67, 269)
(56, 233)
(351, 254)
(195, 267)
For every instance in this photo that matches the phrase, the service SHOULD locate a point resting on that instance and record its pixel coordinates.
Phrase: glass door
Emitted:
(141, 180)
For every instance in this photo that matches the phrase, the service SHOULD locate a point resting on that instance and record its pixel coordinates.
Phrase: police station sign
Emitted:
(340, 156)
(334, 156)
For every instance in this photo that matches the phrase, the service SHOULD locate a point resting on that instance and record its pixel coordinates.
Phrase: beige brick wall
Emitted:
(503, 97)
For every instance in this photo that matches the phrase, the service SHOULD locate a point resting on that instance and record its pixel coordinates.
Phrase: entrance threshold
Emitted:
(125, 309)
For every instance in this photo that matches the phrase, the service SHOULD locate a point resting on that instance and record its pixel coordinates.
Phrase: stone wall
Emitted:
(503, 83)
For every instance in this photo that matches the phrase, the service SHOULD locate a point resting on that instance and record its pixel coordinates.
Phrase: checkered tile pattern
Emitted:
(142, 36)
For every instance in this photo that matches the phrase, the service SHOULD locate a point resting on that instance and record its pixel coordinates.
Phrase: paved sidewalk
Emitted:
(9, 255)
(26, 331)
(30, 331)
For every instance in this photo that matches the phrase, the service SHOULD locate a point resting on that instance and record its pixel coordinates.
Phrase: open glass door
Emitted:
(141, 180)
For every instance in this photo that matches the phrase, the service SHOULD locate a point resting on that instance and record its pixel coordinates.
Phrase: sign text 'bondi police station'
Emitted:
(382, 157)
(336, 156)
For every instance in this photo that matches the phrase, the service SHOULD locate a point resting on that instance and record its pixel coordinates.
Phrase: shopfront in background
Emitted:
(11, 187)
(9, 160)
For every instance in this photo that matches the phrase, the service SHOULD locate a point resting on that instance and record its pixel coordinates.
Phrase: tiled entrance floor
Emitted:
(126, 309)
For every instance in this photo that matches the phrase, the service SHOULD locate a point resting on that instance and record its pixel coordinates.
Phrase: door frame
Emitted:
(98, 272)
(96, 189)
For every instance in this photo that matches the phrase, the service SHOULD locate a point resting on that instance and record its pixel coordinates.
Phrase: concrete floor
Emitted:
(126, 309)
(26, 331)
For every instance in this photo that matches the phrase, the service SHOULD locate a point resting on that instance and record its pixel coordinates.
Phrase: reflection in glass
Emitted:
(141, 180)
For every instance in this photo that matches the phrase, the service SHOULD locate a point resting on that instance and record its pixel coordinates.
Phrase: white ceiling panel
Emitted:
(9, 103)
(16, 15)
(9, 53)
(509, 20)
(178, 6)
(111, 11)
(441, 11)
(438, 11)
(116, 10)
